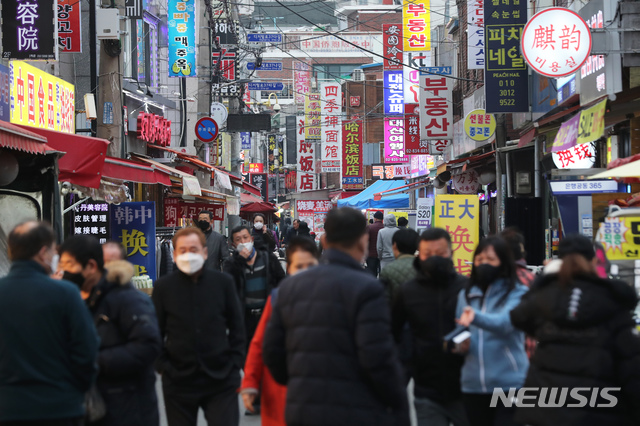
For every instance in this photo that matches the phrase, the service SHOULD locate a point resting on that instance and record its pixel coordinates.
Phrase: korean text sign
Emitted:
(40, 99)
(306, 159)
(475, 34)
(459, 215)
(393, 44)
(436, 103)
(69, 26)
(331, 126)
(506, 75)
(394, 146)
(176, 209)
(28, 30)
(312, 113)
(352, 168)
(416, 25)
(620, 237)
(182, 38)
(134, 226)
(393, 93)
(245, 140)
(302, 80)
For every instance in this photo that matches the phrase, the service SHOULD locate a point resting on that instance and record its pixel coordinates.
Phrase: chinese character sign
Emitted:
(182, 38)
(314, 213)
(331, 126)
(436, 103)
(479, 125)
(256, 168)
(312, 113)
(393, 93)
(458, 214)
(259, 180)
(301, 80)
(352, 169)
(620, 237)
(466, 182)
(412, 141)
(506, 76)
(394, 148)
(392, 44)
(69, 31)
(134, 226)
(178, 212)
(41, 100)
(275, 151)
(475, 34)
(92, 218)
(556, 42)
(28, 30)
(416, 25)
(245, 140)
(581, 156)
(306, 159)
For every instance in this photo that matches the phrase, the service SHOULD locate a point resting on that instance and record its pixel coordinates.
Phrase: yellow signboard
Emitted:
(398, 215)
(459, 215)
(416, 25)
(312, 116)
(591, 126)
(620, 237)
(41, 100)
(479, 125)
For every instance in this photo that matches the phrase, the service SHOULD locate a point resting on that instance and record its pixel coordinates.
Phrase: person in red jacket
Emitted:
(301, 254)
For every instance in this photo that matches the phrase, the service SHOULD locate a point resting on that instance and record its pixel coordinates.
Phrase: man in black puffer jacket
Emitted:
(128, 329)
(586, 339)
(329, 338)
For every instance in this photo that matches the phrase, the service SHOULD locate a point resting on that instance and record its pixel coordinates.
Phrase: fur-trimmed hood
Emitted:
(119, 272)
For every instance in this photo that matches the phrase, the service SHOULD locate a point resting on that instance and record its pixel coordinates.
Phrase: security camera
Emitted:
(277, 108)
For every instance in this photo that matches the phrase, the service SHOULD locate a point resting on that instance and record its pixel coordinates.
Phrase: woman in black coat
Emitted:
(586, 342)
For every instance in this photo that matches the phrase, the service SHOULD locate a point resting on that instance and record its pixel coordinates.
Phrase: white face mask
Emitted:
(54, 263)
(190, 263)
(242, 246)
(258, 225)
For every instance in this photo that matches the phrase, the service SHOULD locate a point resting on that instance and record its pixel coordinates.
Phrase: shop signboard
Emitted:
(40, 100)
(394, 146)
(567, 135)
(154, 129)
(390, 171)
(5, 92)
(352, 167)
(459, 215)
(28, 30)
(544, 95)
(420, 165)
(314, 213)
(226, 32)
(245, 140)
(416, 25)
(506, 74)
(620, 237)
(591, 125)
(331, 126)
(573, 187)
(413, 62)
(424, 213)
(466, 182)
(256, 168)
(92, 218)
(134, 226)
(178, 212)
(259, 180)
(181, 32)
(475, 34)
(392, 42)
(276, 154)
(69, 26)
(306, 159)
(346, 43)
(228, 68)
(312, 119)
(133, 9)
(479, 126)
(412, 130)
(581, 156)
(436, 103)
(393, 93)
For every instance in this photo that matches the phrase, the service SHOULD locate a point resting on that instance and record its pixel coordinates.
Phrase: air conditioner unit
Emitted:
(357, 75)
(107, 24)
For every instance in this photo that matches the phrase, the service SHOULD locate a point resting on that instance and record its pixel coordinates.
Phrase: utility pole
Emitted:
(110, 88)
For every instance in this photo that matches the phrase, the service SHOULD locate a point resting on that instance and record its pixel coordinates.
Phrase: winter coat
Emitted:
(397, 273)
(217, 250)
(384, 245)
(257, 377)
(129, 345)
(497, 357)
(264, 240)
(593, 345)
(236, 265)
(373, 230)
(48, 346)
(430, 308)
(330, 342)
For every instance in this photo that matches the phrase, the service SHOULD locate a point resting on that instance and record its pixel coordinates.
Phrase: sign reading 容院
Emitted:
(28, 30)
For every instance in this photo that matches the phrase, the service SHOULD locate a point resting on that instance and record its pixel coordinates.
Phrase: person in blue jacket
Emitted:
(496, 356)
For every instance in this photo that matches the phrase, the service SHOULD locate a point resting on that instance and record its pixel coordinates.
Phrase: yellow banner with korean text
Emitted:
(591, 125)
(620, 237)
(416, 25)
(312, 116)
(40, 99)
(459, 215)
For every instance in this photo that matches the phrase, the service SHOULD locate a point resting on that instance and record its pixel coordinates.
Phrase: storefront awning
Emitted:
(629, 170)
(252, 189)
(131, 171)
(248, 198)
(19, 139)
(190, 184)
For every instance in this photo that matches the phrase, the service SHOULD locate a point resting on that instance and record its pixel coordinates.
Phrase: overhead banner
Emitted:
(591, 126)
(567, 136)
(352, 167)
(134, 226)
(260, 181)
(331, 129)
(393, 93)
(394, 147)
(301, 81)
(506, 75)
(41, 100)
(312, 117)
(459, 215)
(306, 176)
(475, 34)
(182, 38)
(28, 30)
(416, 25)
(392, 41)
(436, 103)
(69, 26)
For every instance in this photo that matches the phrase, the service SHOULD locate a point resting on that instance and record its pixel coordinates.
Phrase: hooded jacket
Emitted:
(129, 344)
(384, 244)
(587, 339)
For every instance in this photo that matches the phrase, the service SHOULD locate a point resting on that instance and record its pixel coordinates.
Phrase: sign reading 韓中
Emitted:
(134, 226)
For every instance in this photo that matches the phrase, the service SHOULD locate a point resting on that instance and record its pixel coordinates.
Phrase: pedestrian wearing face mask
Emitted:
(203, 333)
(217, 248)
(263, 237)
(496, 357)
(428, 304)
(255, 272)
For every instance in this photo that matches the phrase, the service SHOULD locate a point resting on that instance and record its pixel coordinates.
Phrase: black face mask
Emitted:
(436, 268)
(75, 278)
(486, 274)
(204, 225)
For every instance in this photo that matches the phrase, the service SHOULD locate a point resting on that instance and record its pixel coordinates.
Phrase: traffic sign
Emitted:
(264, 38)
(207, 129)
(266, 66)
(266, 86)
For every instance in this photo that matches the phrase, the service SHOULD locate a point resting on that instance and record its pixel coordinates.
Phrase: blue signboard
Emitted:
(245, 140)
(182, 38)
(134, 226)
(264, 38)
(435, 70)
(543, 93)
(266, 66)
(393, 93)
(107, 113)
(4, 94)
(266, 86)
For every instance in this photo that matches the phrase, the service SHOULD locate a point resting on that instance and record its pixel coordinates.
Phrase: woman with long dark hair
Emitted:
(587, 343)
(495, 355)
(263, 237)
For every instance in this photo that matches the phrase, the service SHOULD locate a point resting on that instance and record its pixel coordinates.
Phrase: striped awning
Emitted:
(19, 139)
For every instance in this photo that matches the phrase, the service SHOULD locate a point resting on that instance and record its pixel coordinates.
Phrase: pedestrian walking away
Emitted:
(401, 270)
(384, 245)
(217, 248)
(373, 262)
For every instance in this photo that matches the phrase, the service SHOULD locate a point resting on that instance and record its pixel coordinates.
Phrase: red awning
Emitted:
(248, 199)
(20, 139)
(252, 189)
(527, 138)
(84, 159)
(125, 170)
(258, 207)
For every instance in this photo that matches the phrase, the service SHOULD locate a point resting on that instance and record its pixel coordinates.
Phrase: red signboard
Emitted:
(176, 209)
(392, 42)
(413, 146)
(69, 29)
(354, 101)
(352, 176)
(153, 128)
(290, 180)
(256, 168)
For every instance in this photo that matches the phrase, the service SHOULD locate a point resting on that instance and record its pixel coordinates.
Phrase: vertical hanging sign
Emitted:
(134, 226)
(416, 25)
(436, 103)
(393, 93)
(475, 34)
(69, 26)
(182, 38)
(312, 116)
(394, 147)
(306, 176)
(28, 30)
(392, 41)
(331, 126)
(506, 76)
(352, 176)
(301, 80)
